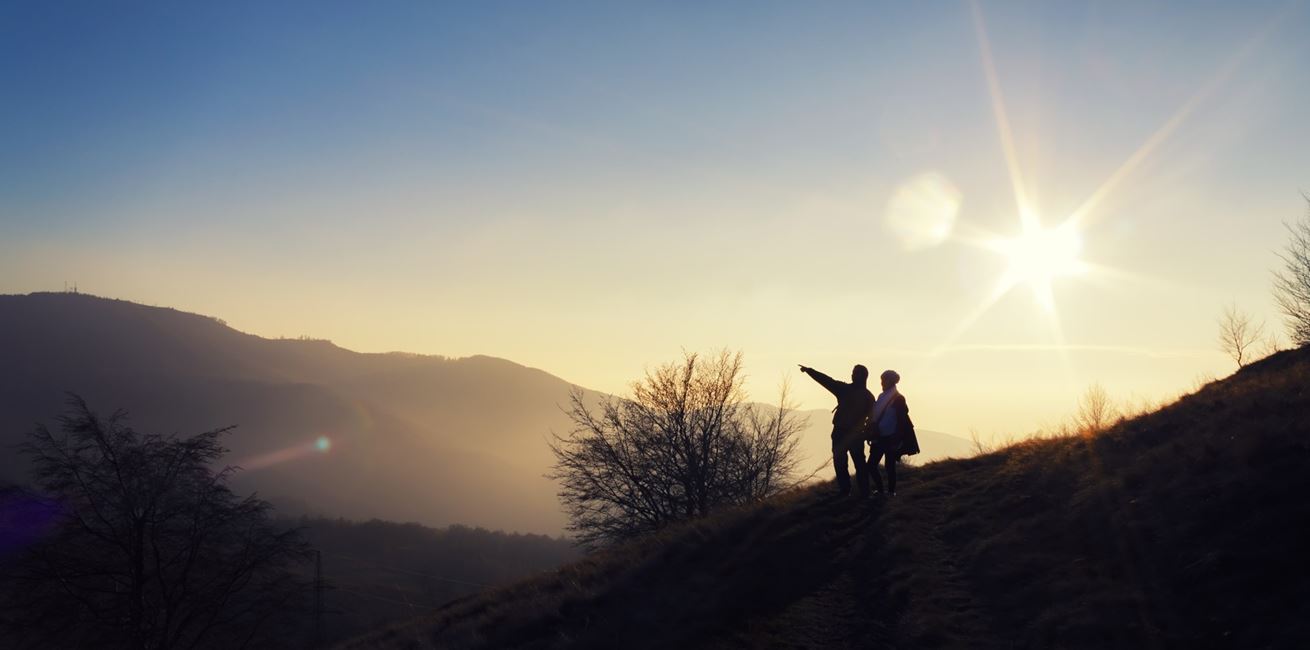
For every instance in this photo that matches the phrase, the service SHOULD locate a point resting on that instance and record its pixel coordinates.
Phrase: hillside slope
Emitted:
(1186, 527)
(412, 436)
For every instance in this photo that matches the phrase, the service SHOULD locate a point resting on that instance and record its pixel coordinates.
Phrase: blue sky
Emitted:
(535, 180)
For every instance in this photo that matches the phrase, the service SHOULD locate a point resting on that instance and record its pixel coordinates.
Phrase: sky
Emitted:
(1005, 202)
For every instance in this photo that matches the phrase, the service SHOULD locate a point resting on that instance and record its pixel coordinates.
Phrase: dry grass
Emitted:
(1183, 527)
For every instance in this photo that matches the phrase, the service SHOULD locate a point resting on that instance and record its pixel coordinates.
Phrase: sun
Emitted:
(1038, 255)
(1035, 257)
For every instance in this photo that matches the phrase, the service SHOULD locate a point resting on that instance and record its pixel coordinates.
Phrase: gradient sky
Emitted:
(590, 188)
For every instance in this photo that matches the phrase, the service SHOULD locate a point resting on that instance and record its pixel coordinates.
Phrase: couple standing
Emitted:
(883, 421)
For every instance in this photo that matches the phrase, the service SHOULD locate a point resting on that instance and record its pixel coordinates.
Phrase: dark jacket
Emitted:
(904, 442)
(854, 403)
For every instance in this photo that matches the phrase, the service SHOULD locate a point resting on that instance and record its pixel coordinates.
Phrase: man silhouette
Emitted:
(854, 406)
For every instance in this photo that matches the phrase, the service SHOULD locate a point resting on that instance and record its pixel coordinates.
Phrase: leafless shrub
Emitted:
(685, 444)
(1096, 411)
(1271, 345)
(1238, 334)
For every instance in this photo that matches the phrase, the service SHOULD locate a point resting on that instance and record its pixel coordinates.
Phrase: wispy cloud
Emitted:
(1155, 353)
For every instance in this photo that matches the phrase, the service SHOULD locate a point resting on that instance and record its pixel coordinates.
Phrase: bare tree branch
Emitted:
(1238, 334)
(685, 444)
(1292, 283)
(1096, 411)
(148, 546)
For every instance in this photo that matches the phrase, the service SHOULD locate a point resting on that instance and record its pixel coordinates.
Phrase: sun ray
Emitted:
(1080, 215)
(1003, 286)
(1100, 272)
(976, 237)
(1017, 181)
(1037, 255)
(1057, 328)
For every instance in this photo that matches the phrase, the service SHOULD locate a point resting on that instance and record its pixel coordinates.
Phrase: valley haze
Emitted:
(409, 437)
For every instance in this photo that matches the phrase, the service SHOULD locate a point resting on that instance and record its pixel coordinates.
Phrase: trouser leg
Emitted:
(891, 471)
(856, 451)
(875, 454)
(840, 466)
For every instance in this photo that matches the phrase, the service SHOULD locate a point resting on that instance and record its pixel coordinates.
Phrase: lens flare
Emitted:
(320, 445)
(922, 211)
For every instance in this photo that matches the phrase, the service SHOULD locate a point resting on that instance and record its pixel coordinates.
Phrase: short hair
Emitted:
(859, 373)
(892, 376)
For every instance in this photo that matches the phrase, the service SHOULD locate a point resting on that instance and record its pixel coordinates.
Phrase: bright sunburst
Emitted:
(1037, 256)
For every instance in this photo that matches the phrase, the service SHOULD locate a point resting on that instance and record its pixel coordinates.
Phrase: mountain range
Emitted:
(320, 429)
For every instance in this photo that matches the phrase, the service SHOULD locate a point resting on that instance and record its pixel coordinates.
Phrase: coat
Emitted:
(854, 405)
(904, 442)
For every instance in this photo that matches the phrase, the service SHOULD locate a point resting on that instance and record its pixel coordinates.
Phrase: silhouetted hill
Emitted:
(1182, 528)
(414, 438)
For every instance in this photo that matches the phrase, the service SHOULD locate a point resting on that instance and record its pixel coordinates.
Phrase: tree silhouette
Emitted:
(1096, 411)
(1238, 335)
(1292, 284)
(685, 444)
(149, 548)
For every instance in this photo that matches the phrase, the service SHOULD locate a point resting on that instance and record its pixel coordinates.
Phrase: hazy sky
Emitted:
(590, 188)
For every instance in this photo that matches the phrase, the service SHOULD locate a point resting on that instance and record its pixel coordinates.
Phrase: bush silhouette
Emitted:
(684, 445)
(148, 547)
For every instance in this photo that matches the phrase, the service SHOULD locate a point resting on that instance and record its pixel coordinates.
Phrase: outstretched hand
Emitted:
(803, 368)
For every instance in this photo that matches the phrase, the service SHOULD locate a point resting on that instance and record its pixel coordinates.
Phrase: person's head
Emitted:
(859, 375)
(890, 378)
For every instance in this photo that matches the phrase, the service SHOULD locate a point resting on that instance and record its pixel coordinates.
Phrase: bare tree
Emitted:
(1096, 411)
(685, 444)
(1271, 345)
(980, 448)
(1238, 334)
(1292, 284)
(148, 547)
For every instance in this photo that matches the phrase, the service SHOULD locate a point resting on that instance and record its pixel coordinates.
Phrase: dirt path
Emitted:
(853, 604)
(841, 605)
(937, 585)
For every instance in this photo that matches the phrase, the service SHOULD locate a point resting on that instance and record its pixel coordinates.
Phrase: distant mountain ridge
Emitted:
(413, 437)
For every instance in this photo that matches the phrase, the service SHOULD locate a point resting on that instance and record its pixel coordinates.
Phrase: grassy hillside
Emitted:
(1186, 527)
